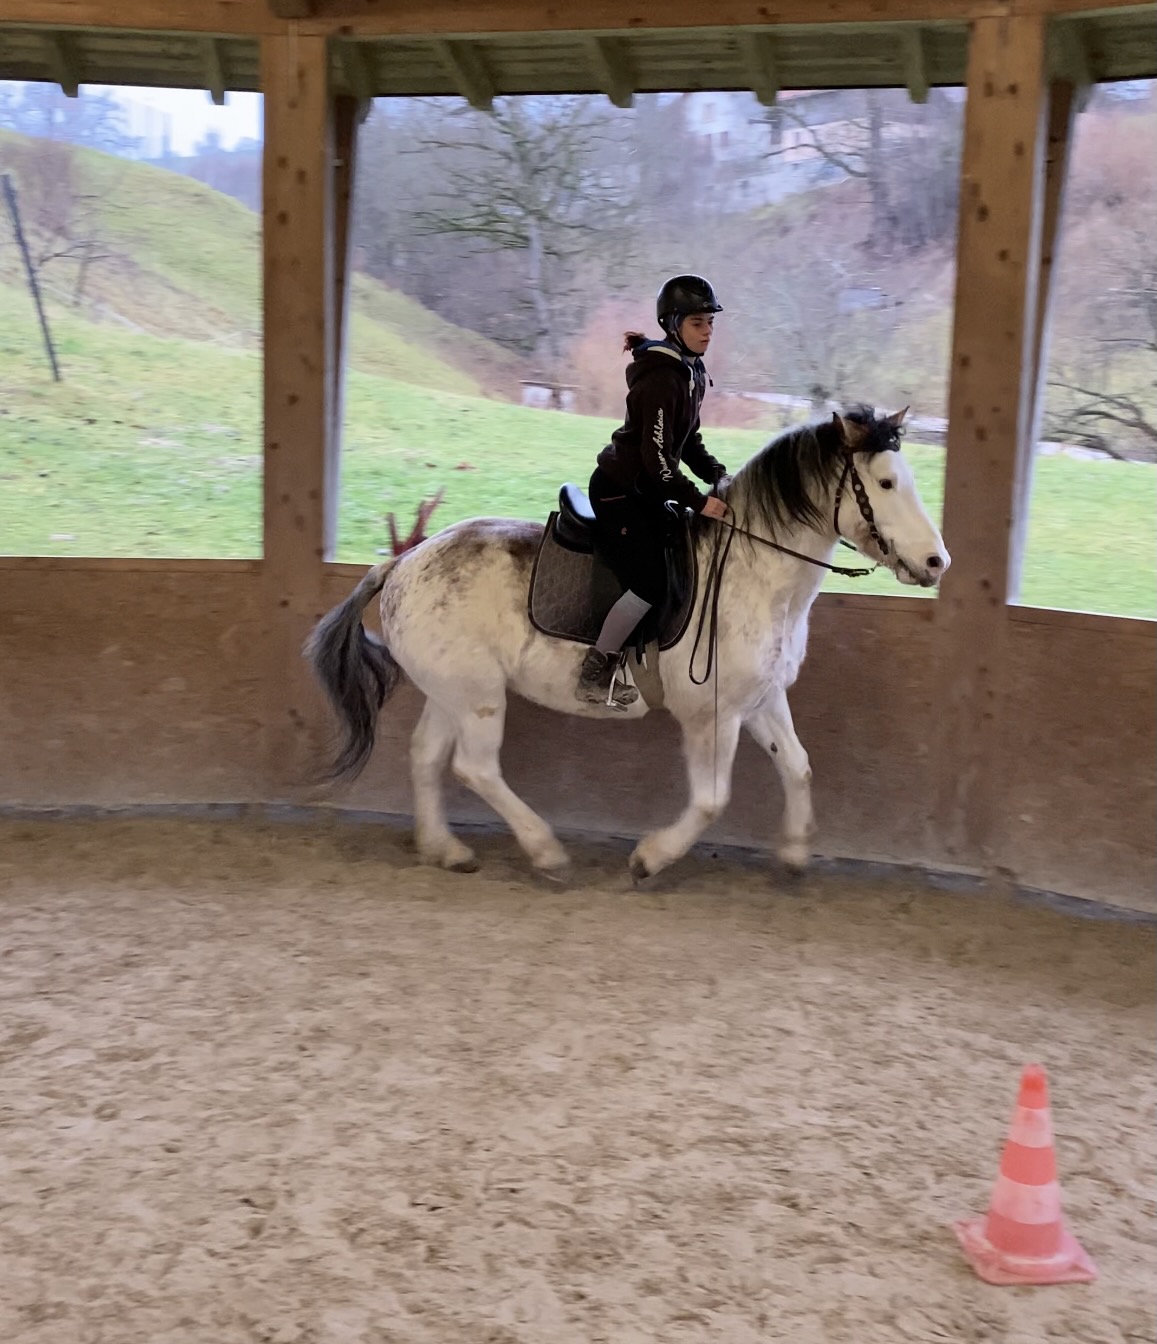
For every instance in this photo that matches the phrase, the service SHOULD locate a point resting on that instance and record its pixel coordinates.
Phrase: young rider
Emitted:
(640, 469)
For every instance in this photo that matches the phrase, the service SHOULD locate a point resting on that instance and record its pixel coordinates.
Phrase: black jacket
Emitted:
(664, 393)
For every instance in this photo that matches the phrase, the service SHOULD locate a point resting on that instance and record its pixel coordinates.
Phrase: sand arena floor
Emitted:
(276, 1084)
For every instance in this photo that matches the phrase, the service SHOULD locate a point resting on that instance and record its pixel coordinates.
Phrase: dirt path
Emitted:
(270, 1083)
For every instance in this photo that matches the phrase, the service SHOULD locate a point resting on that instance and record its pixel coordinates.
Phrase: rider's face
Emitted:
(695, 332)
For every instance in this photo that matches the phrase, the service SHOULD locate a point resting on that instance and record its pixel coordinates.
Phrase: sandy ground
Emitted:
(278, 1084)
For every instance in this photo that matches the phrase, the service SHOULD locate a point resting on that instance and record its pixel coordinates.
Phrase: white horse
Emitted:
(454, 619)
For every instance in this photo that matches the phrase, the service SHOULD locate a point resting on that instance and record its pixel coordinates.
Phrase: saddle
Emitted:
(572, 587)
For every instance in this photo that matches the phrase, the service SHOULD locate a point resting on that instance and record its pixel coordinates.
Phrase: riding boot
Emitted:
(594, 683)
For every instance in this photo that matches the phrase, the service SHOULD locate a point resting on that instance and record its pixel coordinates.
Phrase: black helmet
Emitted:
(683, 295)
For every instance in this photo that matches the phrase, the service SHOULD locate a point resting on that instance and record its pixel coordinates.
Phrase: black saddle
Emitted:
(574, 523)
(572, 587)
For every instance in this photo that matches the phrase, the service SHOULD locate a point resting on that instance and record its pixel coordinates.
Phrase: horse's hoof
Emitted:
(638, 869)
(453, 859)
(795, 858)
(558, 875)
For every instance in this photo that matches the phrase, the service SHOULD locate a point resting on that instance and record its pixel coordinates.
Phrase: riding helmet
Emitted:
(683, 295)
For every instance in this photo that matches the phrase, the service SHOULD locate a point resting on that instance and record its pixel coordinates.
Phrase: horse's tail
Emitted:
(356, 669)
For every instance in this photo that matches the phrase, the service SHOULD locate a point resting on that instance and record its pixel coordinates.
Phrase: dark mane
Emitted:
(788, 483)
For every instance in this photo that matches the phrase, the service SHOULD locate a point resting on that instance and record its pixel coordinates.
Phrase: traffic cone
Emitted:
(1023, 1238)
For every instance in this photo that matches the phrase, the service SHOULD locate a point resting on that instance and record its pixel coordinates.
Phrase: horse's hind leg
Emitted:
(709, 754)
(479, 741)
(430, 749)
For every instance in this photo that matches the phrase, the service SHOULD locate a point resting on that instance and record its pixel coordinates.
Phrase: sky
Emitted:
(191, 113)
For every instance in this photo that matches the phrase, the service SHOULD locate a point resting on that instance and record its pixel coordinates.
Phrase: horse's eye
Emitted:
(887, 484)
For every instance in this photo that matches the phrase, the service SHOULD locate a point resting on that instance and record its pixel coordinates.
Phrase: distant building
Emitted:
(547, 396)
(150, 130)
(762, 154)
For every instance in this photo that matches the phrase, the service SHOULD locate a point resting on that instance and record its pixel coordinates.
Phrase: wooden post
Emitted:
(348, 113)
(1063, 104)
(299, 387)
(989, 419)
(30, 271)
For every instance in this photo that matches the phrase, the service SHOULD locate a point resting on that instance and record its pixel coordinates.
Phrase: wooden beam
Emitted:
(989, 420)
(914, 57)
(355, 70)
(760, 65)
(476, 18)
(298, 388)
(63, 61)
(612, 68)
(465, 66)
(291, 9)
(348, 116)
(214, 69)
(1062, 115)
(1069, 7)
(1076, 65)
(221, 18)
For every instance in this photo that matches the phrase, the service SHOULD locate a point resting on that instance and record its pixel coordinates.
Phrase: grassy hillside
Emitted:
(152, 447)
(177, 259)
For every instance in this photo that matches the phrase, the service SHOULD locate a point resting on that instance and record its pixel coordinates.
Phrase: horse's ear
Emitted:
(850, 433)
(895, 421)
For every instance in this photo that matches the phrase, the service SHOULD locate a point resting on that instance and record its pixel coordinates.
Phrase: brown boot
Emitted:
(594, 683)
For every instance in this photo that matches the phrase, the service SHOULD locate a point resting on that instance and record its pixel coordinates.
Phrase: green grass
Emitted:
(152, 444)
(181, 260)
(152, 448)
(148, 447)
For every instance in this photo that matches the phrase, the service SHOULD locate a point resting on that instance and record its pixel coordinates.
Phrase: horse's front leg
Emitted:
(771, 726)
(709, 754)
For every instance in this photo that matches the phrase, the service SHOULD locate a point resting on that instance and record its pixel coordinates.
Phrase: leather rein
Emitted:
(722, 549)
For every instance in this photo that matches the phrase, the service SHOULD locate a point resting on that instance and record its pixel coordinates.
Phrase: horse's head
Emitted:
(878, 507)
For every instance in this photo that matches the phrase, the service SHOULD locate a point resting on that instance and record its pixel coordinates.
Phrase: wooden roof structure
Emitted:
(480, 50)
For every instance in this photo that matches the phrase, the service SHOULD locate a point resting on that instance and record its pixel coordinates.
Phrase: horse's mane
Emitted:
(788, 482)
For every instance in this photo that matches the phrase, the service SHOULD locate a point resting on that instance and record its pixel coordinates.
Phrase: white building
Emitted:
(761, 154)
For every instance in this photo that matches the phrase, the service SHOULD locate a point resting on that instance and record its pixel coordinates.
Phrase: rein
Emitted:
(721, 550)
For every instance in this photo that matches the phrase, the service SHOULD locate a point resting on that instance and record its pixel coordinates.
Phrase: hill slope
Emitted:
(176, 258)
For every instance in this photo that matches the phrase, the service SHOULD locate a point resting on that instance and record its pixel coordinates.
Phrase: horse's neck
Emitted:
(775, 578)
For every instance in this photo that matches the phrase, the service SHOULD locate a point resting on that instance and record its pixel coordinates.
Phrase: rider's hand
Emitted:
(714, 508)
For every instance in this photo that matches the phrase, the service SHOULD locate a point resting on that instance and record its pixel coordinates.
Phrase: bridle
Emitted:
(721, 549)
(865, 506)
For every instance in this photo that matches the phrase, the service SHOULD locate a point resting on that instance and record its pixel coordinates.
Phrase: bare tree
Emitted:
(811, 345)
(906, 155)
(539, 178)
(62, 207)
(1102, 391)
(1117, 424)
(96, 120)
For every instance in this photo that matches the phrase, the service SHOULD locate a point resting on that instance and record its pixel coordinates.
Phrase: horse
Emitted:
(454, 621)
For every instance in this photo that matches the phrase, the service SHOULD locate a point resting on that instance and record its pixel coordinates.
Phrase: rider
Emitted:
(639, 470)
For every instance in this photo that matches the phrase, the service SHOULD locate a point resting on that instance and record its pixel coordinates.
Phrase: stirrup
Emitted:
(626, 695)
(629, 693)
(607, 695)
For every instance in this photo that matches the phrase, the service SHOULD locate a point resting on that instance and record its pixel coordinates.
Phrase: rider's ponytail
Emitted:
(632, 340)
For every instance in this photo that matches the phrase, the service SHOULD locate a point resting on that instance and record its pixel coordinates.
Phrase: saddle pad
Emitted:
(571, 593)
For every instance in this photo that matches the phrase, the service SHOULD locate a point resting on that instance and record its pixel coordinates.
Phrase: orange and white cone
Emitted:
(1023, 1238)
